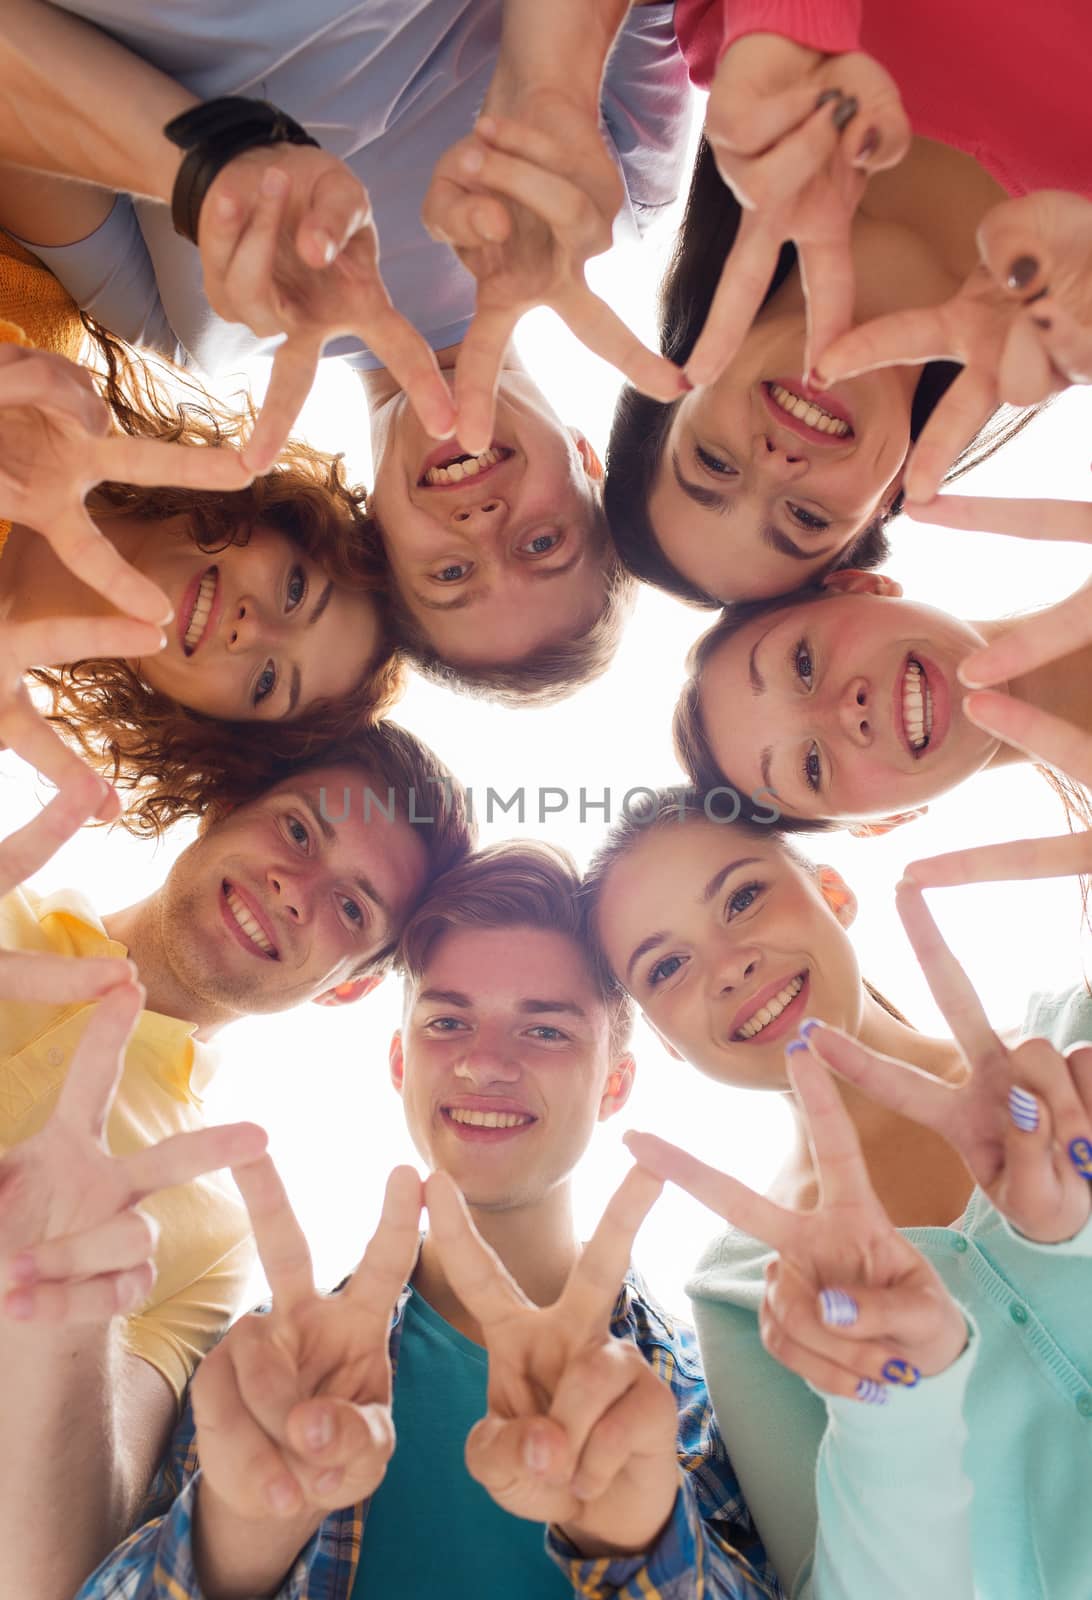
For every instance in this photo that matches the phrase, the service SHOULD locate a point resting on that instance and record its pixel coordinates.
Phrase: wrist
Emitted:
(237, 1557)
(635, 1534)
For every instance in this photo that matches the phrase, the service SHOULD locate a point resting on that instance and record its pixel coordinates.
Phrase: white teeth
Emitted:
(917, 706)
(205, 596)
(251, 928)
(808, 412)
(489, 1119)
(773, 1008)
(466, 467)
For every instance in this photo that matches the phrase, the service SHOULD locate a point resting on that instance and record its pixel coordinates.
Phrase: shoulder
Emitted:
(1065, 1018)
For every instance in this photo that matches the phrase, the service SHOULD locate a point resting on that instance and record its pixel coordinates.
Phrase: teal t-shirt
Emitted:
(431, 1530)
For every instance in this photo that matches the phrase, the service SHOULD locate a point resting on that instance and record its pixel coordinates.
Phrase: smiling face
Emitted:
(847, 707)
(495, 556)
(728, 945)
(503, 1062)
(762, 484)
(259, 632)
(277, 903)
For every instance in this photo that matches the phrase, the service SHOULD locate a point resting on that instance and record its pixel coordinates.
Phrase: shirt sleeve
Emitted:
(1079, 1245)
(174, 1335)
(110, 274)
(646, 106)
(706, 28)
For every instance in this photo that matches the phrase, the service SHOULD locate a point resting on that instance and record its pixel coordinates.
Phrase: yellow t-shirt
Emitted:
(205, 1249)
(35, 310)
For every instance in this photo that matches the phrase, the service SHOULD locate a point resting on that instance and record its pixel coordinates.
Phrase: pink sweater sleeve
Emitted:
(705, 28)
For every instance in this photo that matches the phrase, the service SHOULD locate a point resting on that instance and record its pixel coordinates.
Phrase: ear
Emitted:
(343, 994)
(882, 825)
(397, 1064)
(852, 580)
(592, 464)
(838, 895)
(618, 1087)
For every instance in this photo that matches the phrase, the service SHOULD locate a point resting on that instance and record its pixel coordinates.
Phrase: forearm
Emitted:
(239, 1559)
(561, 47)
(56, 72)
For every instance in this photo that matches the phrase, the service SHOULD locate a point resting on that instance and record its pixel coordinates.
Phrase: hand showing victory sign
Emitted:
(850, 1305)
(580, 1432)
(293, 1408)
(1022, 1120)
(73, 1246)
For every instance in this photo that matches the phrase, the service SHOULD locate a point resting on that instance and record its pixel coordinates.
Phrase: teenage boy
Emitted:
(516, 575)
(554, 1435)
(299, 894)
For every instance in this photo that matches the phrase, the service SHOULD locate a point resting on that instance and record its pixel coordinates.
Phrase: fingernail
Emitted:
(872, 1393)
(320, 1431)
(965, 672)
(797, 1044)
(817, 380)
(1080, 1153)
(901, 1372)
(837, 1309)
(282, 1496)
(1023, 1109)
(329, 252)
(21, 1269)
(845, 112)
(868, 146)
(826, 97)
(1022, 272)
(809, 1025)
(536, 1454)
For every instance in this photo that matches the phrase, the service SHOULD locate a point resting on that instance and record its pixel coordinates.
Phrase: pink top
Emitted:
(1006, 82)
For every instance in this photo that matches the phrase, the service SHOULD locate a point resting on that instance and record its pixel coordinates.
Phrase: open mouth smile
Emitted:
(822, 424)
(451, 469)
(484, 1123)
(196, 617)
(773, 1011)
(916, 707)
(241, 919)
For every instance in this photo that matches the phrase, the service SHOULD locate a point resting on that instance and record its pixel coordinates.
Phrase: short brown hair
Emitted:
(519, 883)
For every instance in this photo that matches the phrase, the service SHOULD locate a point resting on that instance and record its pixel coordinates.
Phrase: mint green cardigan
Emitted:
(977, 1484)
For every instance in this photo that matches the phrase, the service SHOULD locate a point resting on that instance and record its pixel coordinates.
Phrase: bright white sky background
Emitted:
(317, 1078)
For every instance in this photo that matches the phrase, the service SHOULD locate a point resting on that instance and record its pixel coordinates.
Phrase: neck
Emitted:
(139, 928)
(939, 196)
(536, 1243)
(918, 1178)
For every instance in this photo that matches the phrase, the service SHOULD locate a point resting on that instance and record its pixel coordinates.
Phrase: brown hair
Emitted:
(640, 427)
(673, 808)
(549, 674)
(519, 883)
(145, 741)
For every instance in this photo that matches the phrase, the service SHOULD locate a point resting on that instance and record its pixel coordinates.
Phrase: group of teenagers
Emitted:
(883, 270)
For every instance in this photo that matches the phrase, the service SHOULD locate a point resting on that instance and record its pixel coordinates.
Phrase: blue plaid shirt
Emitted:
(708, 1551)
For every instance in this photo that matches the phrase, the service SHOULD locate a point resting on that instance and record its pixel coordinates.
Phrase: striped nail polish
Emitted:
(1080, 1153)
(872, 1393)
(1023, 1109)
(837, 1309)
(903, 1373)
(809, 1025)
(797, 1044)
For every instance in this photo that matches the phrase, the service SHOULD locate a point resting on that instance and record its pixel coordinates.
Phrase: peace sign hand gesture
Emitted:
(293, 1409)
(580, 1432)
(850, 1305)
(73, 1246)
(795, 135)
(525, 204)
(1022, 1119)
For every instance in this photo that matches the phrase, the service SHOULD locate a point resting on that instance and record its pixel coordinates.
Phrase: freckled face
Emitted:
(846, 707)
(727, 945)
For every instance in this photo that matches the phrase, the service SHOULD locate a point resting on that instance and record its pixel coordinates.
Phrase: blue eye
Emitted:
(548, 1034)
(743, 898)
(813, 770)
(451, 574)
(296, 831)
(714, 463)
(266, 683)
(446, 1024)
(807, 519)
(297, 588)
(803, 665)
(664, 969)
(542, 543)
(353, 912)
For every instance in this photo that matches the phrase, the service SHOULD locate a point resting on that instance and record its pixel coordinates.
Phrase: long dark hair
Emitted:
(708, 232)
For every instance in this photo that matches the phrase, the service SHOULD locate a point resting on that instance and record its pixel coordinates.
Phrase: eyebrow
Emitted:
(529, 1008)
(329, 834)
(784, 546)
(543, 575)
(294, 688)
(711, 890)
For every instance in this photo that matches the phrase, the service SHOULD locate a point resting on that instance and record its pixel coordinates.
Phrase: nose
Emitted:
(291, 895)
(485, 516)
(773, 460)
(487, 1058)
(243, 626)
(735, 965)
(854, 712)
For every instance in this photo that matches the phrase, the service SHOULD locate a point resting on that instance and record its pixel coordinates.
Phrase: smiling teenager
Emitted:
(728, 940)
(846, 702)
(274, 904)
(550, 1415)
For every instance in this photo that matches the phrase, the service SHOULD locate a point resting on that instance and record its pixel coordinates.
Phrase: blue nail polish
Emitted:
(837, 1309)
(808, 1026)
(1023, 1109)
(903, 1373)
(797, 1044)
(1080, 1153)
(873, 1394)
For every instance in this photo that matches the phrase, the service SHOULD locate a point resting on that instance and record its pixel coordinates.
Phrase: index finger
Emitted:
(744, 279)
(295, 363)
(726, 1196)
(606, 335)
(477, 371)
(1069, 520)
(474, 1271)
(841, 1166)
(957, 420)
(901, 339)
(88, 1089)
(594, 1282)
(29, 848)
(282, 1246)
(949, 984)
(411, 362)
(124, 459)
(1037, 733)
(52, 383)
(1044, 636)
(1058, 856)
(388, 1259)
(90, 555)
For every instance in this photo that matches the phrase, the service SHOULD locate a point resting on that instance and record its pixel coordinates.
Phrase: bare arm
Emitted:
(49, 210)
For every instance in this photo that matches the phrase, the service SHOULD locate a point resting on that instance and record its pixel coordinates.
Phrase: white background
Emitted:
(317, 1078)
